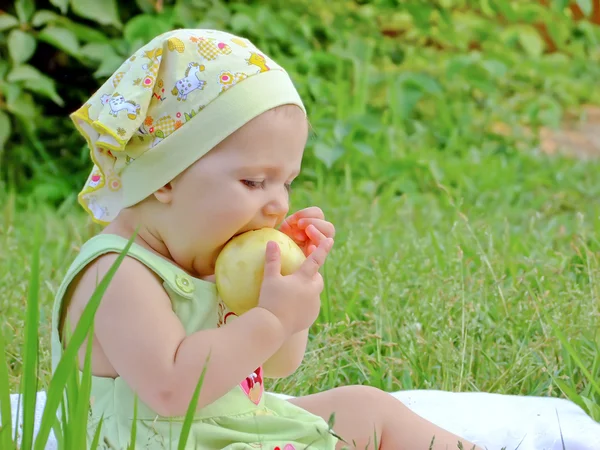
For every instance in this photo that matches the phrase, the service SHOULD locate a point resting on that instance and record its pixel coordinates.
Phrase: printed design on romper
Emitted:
(253, 386)
(190, 82)
(224, 314)
(118, 103)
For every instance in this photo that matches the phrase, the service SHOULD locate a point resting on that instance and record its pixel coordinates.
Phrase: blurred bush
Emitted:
(383, 80)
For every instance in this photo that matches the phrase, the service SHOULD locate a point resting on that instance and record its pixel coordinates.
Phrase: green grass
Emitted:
(484, 278)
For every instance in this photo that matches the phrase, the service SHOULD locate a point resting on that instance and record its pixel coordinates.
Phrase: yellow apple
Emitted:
(240, 266)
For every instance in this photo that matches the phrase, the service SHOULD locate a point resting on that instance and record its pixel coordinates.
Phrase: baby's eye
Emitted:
(253, 184)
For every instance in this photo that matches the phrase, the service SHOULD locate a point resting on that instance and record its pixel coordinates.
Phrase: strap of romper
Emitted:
(102, 244)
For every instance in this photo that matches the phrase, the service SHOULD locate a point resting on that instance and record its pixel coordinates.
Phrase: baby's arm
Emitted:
(288, 358)
(147, 345)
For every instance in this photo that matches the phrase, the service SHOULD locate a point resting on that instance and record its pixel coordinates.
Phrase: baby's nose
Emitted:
(277, 206)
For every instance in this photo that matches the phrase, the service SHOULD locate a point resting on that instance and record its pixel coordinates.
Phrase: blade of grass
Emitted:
(96, 439)
(189, 416)
(5, 436)
(64, 420)
(561, 337)
(67, 362)
(16, 435)
(58, 434)
(83, 396)
(570, 392)
(30, 351)
(70, 400)
(133, 435)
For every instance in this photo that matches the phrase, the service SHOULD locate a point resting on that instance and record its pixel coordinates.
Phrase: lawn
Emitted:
(476, 273)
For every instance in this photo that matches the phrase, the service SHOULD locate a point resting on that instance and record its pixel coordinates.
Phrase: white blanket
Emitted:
(492, 421)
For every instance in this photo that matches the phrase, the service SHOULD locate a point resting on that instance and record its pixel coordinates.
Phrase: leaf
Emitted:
(23, 72)
(44, 86)
(560, 5)
(365, 149)
(586, 6)
(423, 82)
(144, 27)
(108, 66)
(104, 12)
(60, 38)
(495, 67)
(327, 154)
(531, 41)
(11, 92)
(340, 131)
(22, 105)
(25, 9)
(21, 46)
(405, 100)
(97, 51)
(146, 6)
(63, 5)
(44, 16)
(82, 32)
(4, 66)
(421, 14)
(241, 22)
(5, 129)
(7, 21)
(35, 81)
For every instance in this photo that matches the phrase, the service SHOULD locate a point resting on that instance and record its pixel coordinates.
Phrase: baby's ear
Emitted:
(165, 193)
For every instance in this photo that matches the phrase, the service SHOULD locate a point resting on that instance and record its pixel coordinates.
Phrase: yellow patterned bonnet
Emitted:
(168, 105)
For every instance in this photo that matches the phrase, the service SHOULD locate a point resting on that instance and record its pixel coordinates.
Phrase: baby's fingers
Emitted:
(310, 267)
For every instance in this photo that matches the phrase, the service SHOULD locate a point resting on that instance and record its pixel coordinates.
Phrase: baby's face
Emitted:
(242, 184)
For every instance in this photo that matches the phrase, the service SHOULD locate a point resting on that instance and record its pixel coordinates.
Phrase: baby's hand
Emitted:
(294, 299)
(308, 228)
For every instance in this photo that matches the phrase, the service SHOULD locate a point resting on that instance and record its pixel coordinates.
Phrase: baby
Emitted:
(207, 149)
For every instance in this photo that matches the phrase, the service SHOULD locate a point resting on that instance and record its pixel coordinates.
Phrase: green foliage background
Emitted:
(410, 75)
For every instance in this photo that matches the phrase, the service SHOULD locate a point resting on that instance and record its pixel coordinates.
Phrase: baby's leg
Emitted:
(363, 413)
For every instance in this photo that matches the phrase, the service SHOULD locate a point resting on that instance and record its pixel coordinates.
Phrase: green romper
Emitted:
(244, 418)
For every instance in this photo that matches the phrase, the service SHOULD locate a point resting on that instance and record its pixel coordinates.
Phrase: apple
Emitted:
(240, 266)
